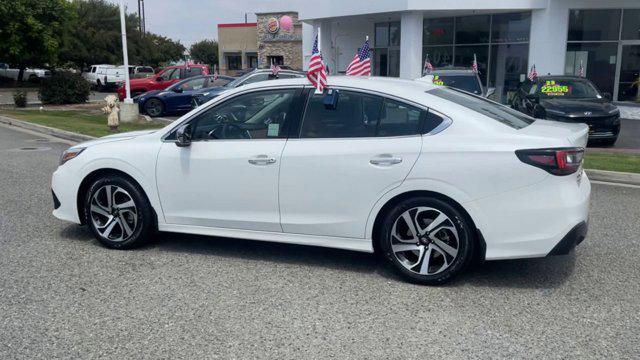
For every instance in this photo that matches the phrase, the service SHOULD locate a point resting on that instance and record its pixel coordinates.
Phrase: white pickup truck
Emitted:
(29, 74)
(105, 76)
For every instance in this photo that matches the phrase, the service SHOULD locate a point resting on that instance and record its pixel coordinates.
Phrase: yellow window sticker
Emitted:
(437, 80)
(551, 88)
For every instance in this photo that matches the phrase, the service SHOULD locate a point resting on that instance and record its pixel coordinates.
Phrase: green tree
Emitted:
(205, 52)
(33, 31)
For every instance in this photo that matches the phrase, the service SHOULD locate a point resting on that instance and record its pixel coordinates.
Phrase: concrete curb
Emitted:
(67, 135)
(613, 176)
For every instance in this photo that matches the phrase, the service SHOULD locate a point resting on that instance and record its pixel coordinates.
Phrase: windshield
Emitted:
(467, 83)
(493, 110)
(238, 81)
(566, 89)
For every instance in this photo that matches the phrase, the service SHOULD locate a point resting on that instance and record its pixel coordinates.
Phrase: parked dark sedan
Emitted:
(177, 97)
(570, 99)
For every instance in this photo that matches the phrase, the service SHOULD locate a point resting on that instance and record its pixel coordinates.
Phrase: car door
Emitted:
(228, 176)
(344, 160)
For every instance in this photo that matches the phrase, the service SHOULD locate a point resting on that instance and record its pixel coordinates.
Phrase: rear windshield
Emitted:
(493, 110)
(567, 89)
(468, 83)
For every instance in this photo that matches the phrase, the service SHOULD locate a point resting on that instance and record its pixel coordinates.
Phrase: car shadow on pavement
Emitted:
(543, 273)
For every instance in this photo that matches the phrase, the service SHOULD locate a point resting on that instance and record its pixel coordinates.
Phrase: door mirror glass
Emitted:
(159, 79)
(178, 89)
(607, 96)
(183, 135)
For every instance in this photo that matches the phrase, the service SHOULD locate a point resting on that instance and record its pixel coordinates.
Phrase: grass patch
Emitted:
(77, 121)
(612, 162)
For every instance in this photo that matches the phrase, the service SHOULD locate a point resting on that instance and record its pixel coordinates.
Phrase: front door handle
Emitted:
(385, 160)
(262, 160)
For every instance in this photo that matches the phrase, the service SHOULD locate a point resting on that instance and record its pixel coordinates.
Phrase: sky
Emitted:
(193, 20)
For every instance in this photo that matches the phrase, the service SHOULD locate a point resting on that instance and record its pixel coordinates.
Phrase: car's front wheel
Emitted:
(427, 240)
(154, 107)
(118, 213)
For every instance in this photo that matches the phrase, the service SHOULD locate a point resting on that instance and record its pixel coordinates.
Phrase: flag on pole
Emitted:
(275, 68)
(317, 74)
(581, 70)
(215, 72)
(428, 68)
(533, 74)
(474, 66)
(361, 63)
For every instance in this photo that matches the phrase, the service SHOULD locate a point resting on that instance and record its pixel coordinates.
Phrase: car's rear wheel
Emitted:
(118, 213)
(154, 107)
(427, 240)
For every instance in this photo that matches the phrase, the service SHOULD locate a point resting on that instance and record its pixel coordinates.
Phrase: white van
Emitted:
(106, 76)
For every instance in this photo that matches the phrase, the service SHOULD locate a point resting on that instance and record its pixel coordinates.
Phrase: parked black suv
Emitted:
(570, 99)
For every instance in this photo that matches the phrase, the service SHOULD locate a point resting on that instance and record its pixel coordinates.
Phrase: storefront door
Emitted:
(627, 86)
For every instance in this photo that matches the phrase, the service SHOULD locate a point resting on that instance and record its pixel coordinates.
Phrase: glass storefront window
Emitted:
(438, 31)
(382, 35)
(473, 29)
(598, 59)
(508, 68)
(514, 27)
(394, 34)
(386, 54)
(439, 56)
(629, 80)
(631, 24)
(596, 25)
(464, 58)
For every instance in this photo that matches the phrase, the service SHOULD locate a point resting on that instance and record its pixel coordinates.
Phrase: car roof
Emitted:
(287, 71)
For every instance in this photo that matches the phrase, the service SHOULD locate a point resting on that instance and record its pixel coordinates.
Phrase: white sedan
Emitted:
(430, 177)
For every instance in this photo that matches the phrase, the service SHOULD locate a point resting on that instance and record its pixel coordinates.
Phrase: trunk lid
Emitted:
(576, 134)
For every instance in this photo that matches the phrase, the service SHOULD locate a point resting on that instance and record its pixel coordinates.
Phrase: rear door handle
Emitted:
(262, 160)
(385, 160)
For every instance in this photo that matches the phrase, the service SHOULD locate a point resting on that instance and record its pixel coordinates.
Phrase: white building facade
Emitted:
(506, 36)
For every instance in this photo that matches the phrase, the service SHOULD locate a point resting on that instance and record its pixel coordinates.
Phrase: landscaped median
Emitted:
(91, 122)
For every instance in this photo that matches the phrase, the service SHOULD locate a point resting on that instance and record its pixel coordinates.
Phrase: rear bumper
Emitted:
(571, 240)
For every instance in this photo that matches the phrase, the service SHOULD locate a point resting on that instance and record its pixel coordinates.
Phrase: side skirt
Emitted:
(362, 245)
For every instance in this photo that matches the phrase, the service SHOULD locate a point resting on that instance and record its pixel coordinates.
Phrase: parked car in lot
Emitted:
(106, 76)
(177, 97)
(202, 96)
(430, 177)
(28, 75)
(573, 100)
(459, 78)
(163, 79)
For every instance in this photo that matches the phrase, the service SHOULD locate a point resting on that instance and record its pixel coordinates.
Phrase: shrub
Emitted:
(20, 98)
(64, 87)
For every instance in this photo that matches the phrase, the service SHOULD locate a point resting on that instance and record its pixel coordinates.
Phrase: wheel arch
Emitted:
(389, 204)
(100, 173)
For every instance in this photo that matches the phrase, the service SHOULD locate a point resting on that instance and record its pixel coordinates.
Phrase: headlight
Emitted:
(70, 154)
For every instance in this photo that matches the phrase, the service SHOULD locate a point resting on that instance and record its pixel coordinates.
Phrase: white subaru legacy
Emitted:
(430, 177)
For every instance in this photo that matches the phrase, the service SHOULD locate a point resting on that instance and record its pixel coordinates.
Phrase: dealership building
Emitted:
(506, 36)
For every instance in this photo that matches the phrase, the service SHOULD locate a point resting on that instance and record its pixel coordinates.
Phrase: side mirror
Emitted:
(178, 89)
(183, 136)
(533, 97)
(159, 79)
(607, 96)
(490, 91)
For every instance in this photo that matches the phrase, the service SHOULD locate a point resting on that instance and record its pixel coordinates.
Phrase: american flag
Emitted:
(215, 72)
(361, 63)
(428, 68)
(275, 68)
(533, 74)
(317, 73)
(474, 66)
(581, 70)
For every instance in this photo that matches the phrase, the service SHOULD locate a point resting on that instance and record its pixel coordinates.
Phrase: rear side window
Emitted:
(485, 107)
(356, 115)
(398, 119)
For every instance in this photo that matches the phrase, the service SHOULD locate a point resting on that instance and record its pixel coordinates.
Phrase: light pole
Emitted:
(128, 110)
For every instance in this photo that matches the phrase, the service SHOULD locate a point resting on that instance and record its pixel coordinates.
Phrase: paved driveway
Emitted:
(64, 296)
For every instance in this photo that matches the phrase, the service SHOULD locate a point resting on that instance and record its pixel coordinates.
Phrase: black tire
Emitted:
(465, 241)
(99, 86)
(154, 107)
(143, 220)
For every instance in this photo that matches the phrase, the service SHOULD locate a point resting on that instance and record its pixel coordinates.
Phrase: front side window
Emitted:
(171, 74)
(257, 115)
(485, 107)
(194, 84)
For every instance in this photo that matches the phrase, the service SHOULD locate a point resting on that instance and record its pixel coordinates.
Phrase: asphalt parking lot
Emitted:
(64, 296)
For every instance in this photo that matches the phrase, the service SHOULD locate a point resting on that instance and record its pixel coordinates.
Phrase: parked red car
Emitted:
(163, 79)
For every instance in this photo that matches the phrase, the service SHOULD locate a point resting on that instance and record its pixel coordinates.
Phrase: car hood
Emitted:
(569, 106)
(115, 137)
(142, 81)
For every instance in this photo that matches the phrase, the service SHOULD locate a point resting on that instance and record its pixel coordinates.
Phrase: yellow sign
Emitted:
(437, 80)
(551, 88)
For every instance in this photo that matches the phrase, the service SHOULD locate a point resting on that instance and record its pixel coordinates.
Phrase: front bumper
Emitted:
(571, 240)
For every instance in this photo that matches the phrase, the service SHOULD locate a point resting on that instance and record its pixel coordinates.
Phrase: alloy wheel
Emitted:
(114, 213)
(424, 240)
(153, 108)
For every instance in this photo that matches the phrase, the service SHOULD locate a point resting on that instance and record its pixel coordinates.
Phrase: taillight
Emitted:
(559, 161)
